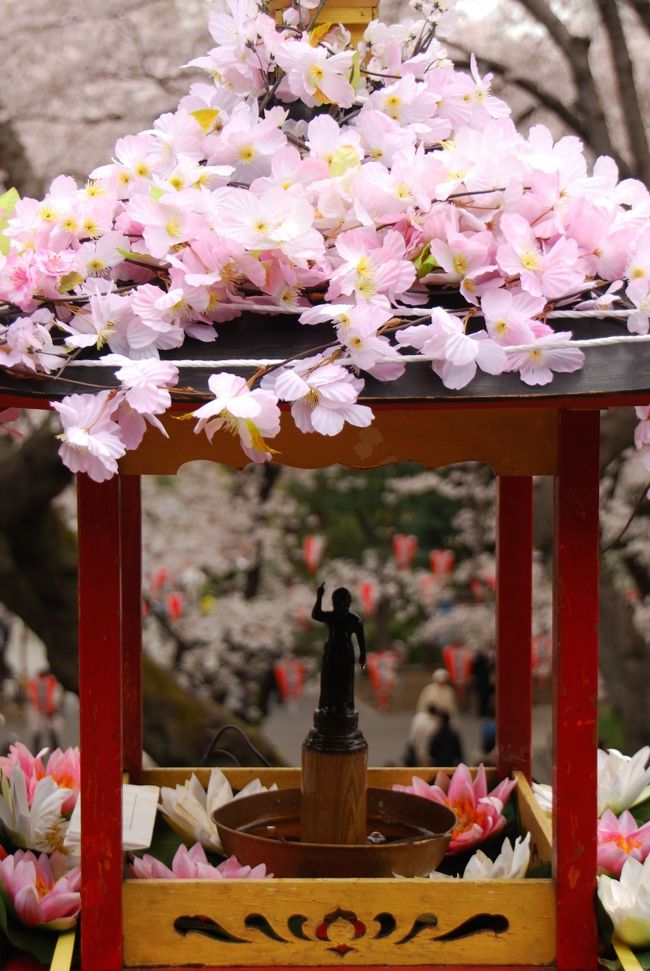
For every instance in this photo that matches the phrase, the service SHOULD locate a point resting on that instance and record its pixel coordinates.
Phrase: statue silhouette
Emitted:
(337, 670)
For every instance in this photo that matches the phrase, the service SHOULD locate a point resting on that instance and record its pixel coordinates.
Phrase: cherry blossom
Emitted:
(91, 439)
(323, 396)
(249, 414)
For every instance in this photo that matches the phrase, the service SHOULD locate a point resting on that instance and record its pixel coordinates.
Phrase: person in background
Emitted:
(484, 680)
(445, 747)
(45, 700)
(424, 725)
(440, 693)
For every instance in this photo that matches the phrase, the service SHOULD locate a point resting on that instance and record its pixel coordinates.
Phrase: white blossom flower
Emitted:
(36, 826)
(621, 778)
(627, 901)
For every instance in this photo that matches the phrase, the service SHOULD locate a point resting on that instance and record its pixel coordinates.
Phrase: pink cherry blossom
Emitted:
(537, 364)
(41, 890)
(323, 396)
(619, 839)
(455, 355)
(248, 414)
(479, 815)
(509, 316)
(193, 864)
(90, 439)
(315, 76)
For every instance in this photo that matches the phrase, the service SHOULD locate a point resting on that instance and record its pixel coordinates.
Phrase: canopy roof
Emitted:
(617, 373)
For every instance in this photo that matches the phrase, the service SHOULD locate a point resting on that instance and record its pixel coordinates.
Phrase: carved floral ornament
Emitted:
(372, 188)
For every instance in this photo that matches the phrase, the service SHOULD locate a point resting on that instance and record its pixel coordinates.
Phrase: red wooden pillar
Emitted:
(131, 566)
(100, 674)
(575, 681)
(514, 610)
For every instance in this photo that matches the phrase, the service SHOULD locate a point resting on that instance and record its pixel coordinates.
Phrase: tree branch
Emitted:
(628, 93)
(642, 10)
(588, 102)
(542, 13)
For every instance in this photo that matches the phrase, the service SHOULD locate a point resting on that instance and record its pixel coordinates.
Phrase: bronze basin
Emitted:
(264, 828)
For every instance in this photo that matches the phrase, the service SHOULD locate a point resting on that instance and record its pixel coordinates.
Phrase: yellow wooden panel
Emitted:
(534, 820)
(380, 922)
(287, 778)
(513, 441)
(626, 956)
(62, 957)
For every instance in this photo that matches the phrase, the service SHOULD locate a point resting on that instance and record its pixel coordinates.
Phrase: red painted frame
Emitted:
(100, 722)
(131, 572)
(514, 591)
(575, 682)
(110, 651)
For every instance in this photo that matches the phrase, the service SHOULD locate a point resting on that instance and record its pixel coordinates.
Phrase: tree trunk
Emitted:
(38, 583)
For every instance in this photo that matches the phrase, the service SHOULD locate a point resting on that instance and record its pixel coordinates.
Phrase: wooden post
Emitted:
(514, 610)
(575, 680)
(131, 572)
(333, 798)
(100, 670)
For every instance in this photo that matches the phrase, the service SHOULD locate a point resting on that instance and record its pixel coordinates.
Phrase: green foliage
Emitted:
(8, 202)
(610, 730)
(357, 512)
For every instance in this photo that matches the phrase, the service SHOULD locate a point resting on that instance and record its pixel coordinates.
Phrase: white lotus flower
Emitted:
(39, 826)
(627, 901)
(621, 779)
(510, 864)
(544, 796)
(189, 808)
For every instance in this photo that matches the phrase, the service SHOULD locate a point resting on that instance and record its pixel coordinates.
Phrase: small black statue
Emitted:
(337, 671)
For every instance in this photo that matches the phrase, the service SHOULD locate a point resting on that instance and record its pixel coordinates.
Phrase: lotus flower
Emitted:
(35, 825)
(619, 839)
(63, 767)
(544, 795)
(478, 815)
(193, 864)
(621, 778)
(627, 901)
(510, 864)
(188, 808)
(40, 890)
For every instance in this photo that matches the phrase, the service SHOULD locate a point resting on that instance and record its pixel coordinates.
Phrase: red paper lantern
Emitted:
(160, 578)
(290, 674)
(174, 605)
(458, 659)
(381, 668)
(368, 595)
(404, 547)
(442, 562)
(313, 550)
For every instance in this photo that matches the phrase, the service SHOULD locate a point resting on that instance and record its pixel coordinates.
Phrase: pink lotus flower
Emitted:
(41, 890)
(619, 839)
(478, 815)
(63, 767)
(193, 864)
